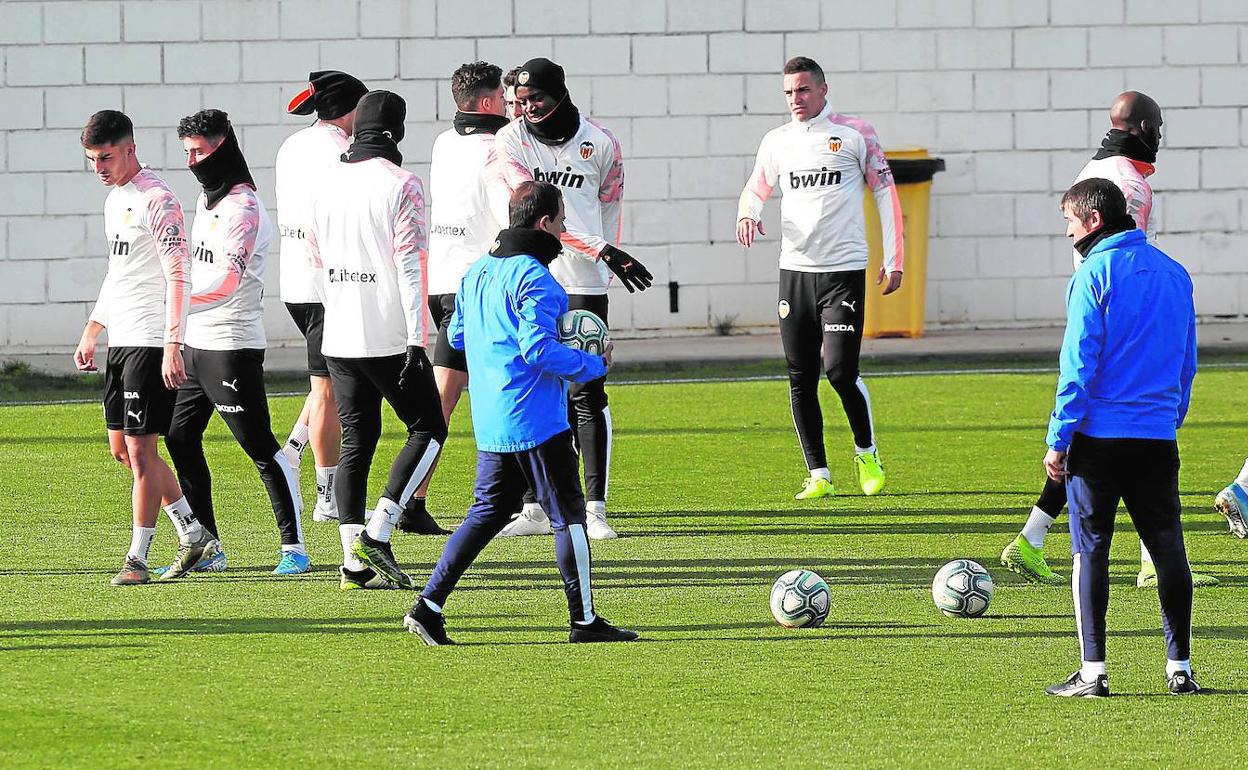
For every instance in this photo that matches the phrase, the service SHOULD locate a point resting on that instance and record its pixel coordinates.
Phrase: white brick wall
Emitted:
(1013, 93)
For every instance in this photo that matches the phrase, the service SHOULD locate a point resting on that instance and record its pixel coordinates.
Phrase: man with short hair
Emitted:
(143, 304)
(1127, 363)
(821, 161)
(506, 320)
(225, 341)
(301, 160)
(369, 240)
(513, 110)
(552, 142)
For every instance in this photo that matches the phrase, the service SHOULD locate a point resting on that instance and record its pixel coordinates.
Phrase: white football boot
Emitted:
(531, 520)
(596, 526)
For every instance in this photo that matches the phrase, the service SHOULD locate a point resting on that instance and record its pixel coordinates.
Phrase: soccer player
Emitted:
(301, 159)
(1126, 158)
(143, 304)
(552, 142)
(1127, 363)
(506, 320)
(513, 110)
(225, 339)
(368, 237)
(821, 160)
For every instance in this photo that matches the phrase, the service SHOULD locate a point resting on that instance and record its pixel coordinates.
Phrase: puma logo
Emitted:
(231, 385)
(138, 416)
(850, 305)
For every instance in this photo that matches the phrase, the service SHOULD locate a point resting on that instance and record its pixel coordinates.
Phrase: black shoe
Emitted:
(1076, 687)
(427, 624)
(415, 520)
(379, 556)
(600, 631)
(1182, 683)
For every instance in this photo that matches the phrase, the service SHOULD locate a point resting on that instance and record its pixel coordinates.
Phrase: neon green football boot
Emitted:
(1147, 578)
(815, 488)
(1022, 557)
(870, 472)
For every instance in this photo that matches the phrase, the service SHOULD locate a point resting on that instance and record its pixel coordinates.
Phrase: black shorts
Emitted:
(310, 318)
(821, 319)
(135, 397)
(442, 307)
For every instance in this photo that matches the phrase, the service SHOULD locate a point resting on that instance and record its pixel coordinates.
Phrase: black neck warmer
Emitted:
(1128, 145)
(1112, 227)
(224, 168)
(538, 244)
(559, 125)
(372, 143)
(478, 123)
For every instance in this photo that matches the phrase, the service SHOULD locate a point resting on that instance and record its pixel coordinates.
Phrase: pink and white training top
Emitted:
(1131, 177)
(228, 248)
(820, 166)
(301, 160)
(469, 205)
(145, 295)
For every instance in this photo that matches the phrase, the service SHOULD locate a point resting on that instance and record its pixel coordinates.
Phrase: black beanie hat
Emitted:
(543, 74)
(382, 112)
(330, 92)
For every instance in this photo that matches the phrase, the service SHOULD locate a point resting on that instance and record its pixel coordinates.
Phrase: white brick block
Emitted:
(1223, 10)
(418, 143)
(741, 52)
(849, 14)
(22, 194)
(766, 16)
(1084, 89)
(960, 302)
(646, 179)
(835, 51)
(1083, 13)
(44, 65)
(1011, 90)
(397, 18)
(1040, 299)
(551, 17)
(161, 21)
(75, 280)
(473, 18)
(202, 63)
(906, 129)
(366, 59)
(1013, 257)
(630, 95)
(650, 310)
(1162, 12)
(311, 19)
(706, 94)
(1200, 212)
(661, 223)
(1170, 86)
(934, 91)
(599, 55)
(740, 135)
(125, 64)
(49, 326)
(1223, 253)
(1184, 248)
(934, 13)
(708, 264)
(1207, 127)
(80, 22)
(1050, 48)
(958, 176)
(1202, 45)
(676, 137)
(246, 19)
(974, 131)
(1123, 46)
(611, 17)
(860, 93)
(1011, 171)
(977, 49)
(705, 16)
(74, 193)
(437, 58)
(707, 178)
(1243, 126)
(1224, 86)
(909, 50)
(962, 215)
(283, 62)
(951, 259)
(1011, 13)
(69, 107)
(764, 95)
(742, 305)
(22, 282)
(1037, 214)
(21, 108)
(1176, 170)
(249, 104)
(23, 23)
(164, 106)
(669, 55)
(1054, 130)
(1215, 295)
(54, 237)
(44, 151)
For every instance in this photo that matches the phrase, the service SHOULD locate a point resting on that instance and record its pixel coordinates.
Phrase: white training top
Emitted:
(589, 171)
(468, 205)
(369, 241)
(820, 166)
(228, 247)
(145, 295)
(1130, 176)
(301, 160)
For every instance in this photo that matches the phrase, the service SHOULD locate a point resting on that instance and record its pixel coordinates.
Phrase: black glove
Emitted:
(413, 365)
(632, 273)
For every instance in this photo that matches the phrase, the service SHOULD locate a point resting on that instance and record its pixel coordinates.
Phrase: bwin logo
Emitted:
(563, 178)
(229, 408)
(813, 177)
(202, 254)
(838, 327)
(119, 248)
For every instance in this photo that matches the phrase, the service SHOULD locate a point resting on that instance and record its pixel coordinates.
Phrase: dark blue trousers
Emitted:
(1143, 474)
(552, 471)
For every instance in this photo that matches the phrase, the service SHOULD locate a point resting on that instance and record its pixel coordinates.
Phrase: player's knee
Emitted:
(841, 377)
(121, 455)
(587, 405)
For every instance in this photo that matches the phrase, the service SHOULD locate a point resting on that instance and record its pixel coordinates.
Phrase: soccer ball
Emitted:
(800, 599)
(962, 589)
(583, 330)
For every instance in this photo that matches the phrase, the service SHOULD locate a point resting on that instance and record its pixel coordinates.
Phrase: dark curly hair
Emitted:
(210, 124)
(107, 127)
(509, 80)
(473, 81)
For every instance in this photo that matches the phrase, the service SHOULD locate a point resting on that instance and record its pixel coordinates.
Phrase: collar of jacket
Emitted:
(808, 124)
(538, 244)
(1123, 227)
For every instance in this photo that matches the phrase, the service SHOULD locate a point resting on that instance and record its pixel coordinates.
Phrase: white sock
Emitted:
(296, 548)
(140, 543)
(867, 450)
(1091, 669)
(596, 508)
(1175, 666)
(184, 522)
(821, 473)
(348, 533)
(1242, 478)
(1037, 527)
(1146, 558)
(534, 511)
(385, 516)
(297, 443)
(431, 605)
(325, 484)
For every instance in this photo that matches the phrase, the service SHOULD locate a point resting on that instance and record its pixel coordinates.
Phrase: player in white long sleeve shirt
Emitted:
(301, 161)
(225, 338)
(143, 305)
(821, 161)
(368, 238)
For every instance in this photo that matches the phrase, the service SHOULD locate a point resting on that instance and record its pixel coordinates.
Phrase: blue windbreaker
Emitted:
(506, 321)
(1129, 354)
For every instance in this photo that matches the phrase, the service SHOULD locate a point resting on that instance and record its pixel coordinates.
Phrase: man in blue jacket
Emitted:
(1127, 363)
(506, 320)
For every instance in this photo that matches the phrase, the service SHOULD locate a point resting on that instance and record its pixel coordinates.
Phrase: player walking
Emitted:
(506, 319)
(143, 304)
(301, 160)
(225, 339)
(552, 142)
(368, 238)
(821, 160)
(1127, 363)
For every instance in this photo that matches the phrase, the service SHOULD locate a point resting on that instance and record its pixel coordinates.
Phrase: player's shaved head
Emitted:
(1131, 109)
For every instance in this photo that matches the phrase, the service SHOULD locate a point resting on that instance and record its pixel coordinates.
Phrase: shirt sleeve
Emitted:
(879, 179)
(99, 313)
(168, 229)
(497, 193)
(1139, 201)
(411, 256)
(538, 311)
(455, 327)
(1080, 356)
(759, 186)
(313, 255)
(611, 194)
(1188, 373)
(242, 228)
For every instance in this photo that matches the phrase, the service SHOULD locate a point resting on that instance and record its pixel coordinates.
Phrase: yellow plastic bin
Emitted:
(900, 314)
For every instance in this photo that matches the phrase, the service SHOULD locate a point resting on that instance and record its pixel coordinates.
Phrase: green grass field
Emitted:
(247, 670)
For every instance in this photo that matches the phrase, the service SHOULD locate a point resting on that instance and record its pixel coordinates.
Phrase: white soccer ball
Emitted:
(583, 330)
(800, 599)
(962, 589)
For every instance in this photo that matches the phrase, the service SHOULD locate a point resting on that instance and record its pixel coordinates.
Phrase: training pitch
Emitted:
(248, 670)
